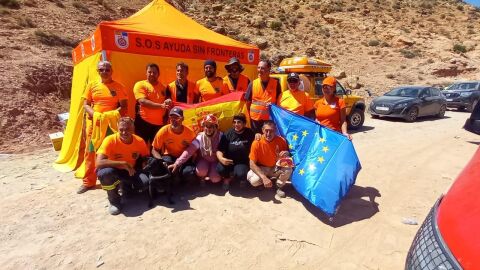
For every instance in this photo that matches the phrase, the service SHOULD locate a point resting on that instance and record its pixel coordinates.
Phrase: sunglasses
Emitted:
(104, 70)
(292, 81)
(233, 70)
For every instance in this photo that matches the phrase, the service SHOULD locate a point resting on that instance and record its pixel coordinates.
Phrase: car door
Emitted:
(437, 99)
(426, 102)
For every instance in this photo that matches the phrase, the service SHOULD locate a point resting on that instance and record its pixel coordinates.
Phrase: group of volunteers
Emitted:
(241, 154)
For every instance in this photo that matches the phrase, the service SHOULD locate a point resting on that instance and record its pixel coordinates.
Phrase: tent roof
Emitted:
(160, 18)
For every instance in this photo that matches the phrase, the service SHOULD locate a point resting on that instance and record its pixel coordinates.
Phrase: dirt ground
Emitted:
(406, 167)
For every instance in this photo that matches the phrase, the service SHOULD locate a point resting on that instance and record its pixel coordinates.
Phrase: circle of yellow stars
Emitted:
(320, 159)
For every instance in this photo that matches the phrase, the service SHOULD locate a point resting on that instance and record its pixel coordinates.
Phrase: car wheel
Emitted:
(472, 105)
(356, 119)
(412, 114)
(441, 113)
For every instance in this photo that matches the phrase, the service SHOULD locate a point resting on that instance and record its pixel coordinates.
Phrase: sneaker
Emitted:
(243, 183)
(281, 193)
(113, 210)
(83, 189)
(203, 183)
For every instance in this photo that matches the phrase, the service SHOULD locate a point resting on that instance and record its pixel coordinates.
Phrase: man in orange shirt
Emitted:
(100, 96)
(117, 162)
(182, 90)
(211, 86)
(153, 103)
(296, 100)
(235, 81)
(262, 92)
(264, 155)
(170, 142)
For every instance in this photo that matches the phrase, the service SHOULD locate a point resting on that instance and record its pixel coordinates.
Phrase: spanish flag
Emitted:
(224, 108)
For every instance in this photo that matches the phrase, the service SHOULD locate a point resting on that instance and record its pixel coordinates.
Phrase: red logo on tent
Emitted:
(121, 39)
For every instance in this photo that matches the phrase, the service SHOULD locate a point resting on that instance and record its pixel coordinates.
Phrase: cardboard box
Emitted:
(56, 139)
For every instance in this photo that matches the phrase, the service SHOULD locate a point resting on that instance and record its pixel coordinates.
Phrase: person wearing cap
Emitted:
(233, 151)
(101, 97)
(264, 155)
(235, 81)
(170, 142)
(296, 100)
(330, 110)
(153, 103)
(119, 162)
(182, 90)
(211, 86)
(206, 144)
(262, 92)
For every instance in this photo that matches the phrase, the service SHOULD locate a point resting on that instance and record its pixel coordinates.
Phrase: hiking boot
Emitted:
(281, 193)
(114, 210)
(83, 189)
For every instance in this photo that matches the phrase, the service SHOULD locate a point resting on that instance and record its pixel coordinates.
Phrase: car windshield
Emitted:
(462, 86)
(404, 92)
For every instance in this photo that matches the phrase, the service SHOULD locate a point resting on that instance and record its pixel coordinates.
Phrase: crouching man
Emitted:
(264, 155)
(119, 161)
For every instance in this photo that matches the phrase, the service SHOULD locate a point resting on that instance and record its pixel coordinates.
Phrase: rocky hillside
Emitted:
(373, 45)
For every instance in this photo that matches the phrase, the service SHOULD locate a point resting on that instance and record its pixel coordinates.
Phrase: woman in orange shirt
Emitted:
(330, 111)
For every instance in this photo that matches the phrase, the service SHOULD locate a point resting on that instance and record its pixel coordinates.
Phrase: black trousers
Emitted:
(257, 125)
(112, 178)
(145, 130)
(237, 171)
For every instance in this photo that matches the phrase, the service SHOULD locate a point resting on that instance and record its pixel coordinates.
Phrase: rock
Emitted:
(261, 43)
(217, 7)
(403, 40)
(341, 75)
(277, 57)
(329, 19)
(469, 45)
(220, 30)
(310, 52)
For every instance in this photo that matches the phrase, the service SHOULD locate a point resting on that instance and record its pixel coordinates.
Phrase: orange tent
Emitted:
(159, 34)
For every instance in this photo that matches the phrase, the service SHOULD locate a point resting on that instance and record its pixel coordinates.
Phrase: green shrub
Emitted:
(409, 53)
(52, 39)
(373, 43)
(81, 7)
(10, 3)
(459, 48)
(276, 25)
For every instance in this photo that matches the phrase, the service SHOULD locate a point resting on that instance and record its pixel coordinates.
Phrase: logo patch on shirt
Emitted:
(135, 155)
(113, 92)
(217, 90)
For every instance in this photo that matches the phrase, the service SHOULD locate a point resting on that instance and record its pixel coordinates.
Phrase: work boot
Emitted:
(281, 193)
(83, 189)
(114, 210)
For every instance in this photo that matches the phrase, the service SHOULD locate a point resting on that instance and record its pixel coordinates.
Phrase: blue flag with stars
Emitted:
(326, 164)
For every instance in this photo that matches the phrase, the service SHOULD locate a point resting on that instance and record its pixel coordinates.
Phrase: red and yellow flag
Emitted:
(224, 108)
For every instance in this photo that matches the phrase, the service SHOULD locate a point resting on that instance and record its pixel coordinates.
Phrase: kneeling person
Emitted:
(263, 157)
(116, 162)
(170, 142)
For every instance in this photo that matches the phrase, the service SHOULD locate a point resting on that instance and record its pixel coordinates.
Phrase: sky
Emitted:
(473, 2)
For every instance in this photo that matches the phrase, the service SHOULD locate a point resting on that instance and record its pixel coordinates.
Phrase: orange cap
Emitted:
(330, 81)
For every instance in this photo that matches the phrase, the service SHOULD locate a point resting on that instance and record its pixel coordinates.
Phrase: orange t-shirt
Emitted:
(157, 94)
(328, 116)
(104, 96)
(115, 149)
(209, 90)
(264, 153)
(169, 143)
(297, 101)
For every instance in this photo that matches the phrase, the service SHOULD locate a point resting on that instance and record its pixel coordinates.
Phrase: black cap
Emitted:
(210, 62)
(293, 77)
(176, 111)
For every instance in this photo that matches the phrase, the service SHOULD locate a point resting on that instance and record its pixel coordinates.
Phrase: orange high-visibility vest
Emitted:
(261, 97)
(190, 88)
(242, 83)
